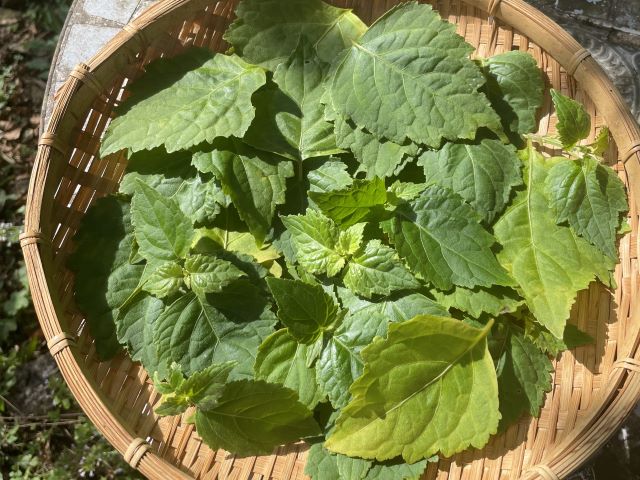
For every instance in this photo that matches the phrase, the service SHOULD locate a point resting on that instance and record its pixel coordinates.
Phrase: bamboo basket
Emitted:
(594, 387)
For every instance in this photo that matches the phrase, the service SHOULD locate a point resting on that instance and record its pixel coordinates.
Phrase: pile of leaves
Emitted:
(346, 234)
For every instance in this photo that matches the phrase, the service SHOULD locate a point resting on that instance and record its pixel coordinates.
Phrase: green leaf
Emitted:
(350, 240)
(523, 370)
(362, 201)
(574, 123)
(255, 181)
(331, 175)
(494, 301)
(135, 327)
(395, 470)
(352, 468)
(186, 100)
(440, 238)
(601, 143)
(549, 262)
(194, 334)
(162, 171)
(315, 239)
(377, 157)
(378, 271)
(409, 77)
(165, 280)
(483, 174)
(396, 308)
(321, 464)
(200, 200)
(515, 87)
(162, 230)
(406, 191)
(267, 32)
(424, 364)
(547, 342)
(306, 310)
(253, 417)
(104, 278)
(293, 125)
(340, 362)
(240, 242)
(203, 389)
(281, 359)
(208, 274)
(589, 196)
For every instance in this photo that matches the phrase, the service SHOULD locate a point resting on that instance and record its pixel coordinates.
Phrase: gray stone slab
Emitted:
(119, 11)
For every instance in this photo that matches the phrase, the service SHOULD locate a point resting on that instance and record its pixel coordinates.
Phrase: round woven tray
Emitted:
(594, 387)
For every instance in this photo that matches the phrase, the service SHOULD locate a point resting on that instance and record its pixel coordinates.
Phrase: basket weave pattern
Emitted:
(594, 387)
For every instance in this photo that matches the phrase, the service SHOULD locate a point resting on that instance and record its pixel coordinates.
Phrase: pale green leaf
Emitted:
(589, 196)
(208, 274)
(203, 388)
(515, 87)
(253, 417)
(523, 370)
(331, 175)
(549, 262)
(409, 77)
(163, 232)
(200, 200)
(315, 239)
(378, 271)
(483, 174)
(268, 31)
(240, 242)
(255, 181)
(186, 100)
(494, 301)
(165, 280)
(104, 278)
(440, 238)
(281, 359)
(292, 124)
(601, 144)
(350, 240)
(405, 191)
(424, 364)
(306, 310)
(574, 123)
(362, 201)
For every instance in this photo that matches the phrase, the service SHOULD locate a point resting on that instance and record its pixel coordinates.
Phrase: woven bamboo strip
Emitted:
(594, 387)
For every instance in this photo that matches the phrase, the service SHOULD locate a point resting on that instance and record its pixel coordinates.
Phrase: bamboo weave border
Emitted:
(87, 82)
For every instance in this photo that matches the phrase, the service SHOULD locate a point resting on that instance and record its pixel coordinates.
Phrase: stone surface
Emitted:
(119, 11)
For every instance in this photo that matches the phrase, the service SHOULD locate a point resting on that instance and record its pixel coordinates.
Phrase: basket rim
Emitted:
(622, 388)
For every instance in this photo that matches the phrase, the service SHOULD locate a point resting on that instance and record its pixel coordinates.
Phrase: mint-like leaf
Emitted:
(186, 100)
(253, 417)
(162, 230)
(440, 238)
(424, 364)
(483, 174)
(306, 310)
(589, 196)
(409, 77)
(378, 271)
(267, 32)
(574, 123)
